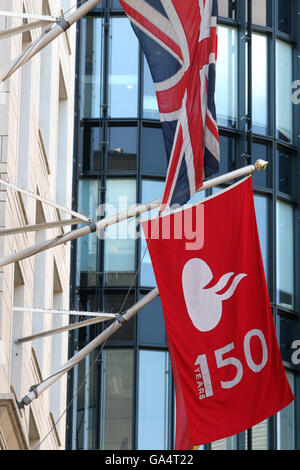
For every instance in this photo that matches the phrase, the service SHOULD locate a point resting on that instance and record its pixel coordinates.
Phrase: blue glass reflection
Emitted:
(284, 106)
(123, 76)
(151, 190)
(122, 148)
(90, 66)
(259, 84)
(153, 152)
(285, 254)
(87, 245)
(261, 210)
(153, 400)
(150, 106)
(119, 247)
(226, 77)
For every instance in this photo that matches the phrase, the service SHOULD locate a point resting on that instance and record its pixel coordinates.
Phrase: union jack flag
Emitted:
(179, 40)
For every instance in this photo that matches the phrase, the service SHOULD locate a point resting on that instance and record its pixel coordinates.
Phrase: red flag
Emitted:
(227, 366)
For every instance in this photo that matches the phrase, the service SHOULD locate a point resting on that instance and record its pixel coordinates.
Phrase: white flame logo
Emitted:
(204, 306)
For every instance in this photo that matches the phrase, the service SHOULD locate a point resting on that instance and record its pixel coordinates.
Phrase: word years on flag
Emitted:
(227, 367)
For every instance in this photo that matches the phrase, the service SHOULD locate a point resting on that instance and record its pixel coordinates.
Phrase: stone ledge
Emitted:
(12, 436)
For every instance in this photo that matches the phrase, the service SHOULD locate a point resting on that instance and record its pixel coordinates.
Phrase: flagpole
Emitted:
(77, 313)
(62, 25)
(36, 390)
(100, 225)
(44, 200)
(69, 327)
(39, 227)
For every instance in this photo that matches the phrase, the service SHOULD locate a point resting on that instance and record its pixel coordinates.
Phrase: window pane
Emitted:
(226, 77)
(286, 422)
(122, 148)
(260, 436)
(91, 149)
(261, 210)
(90, 66)
(261, 151)
(259, 12)
(152, 314)
(289, 329)
(150, 105)
(99, 7)
(230, 443)
(85, 404)
(285, 257)
(150, 190)
(87, 245)
(123, 77)
(119, 247)
(116, 416)
(116, 5)
(226, 8)
(285, 172)
(153, 400)
(285, 8)
(79, 374)
(260, 84)
(228, 155)
(153, 152)
(284, 113)
(86, 302)
(114, 303)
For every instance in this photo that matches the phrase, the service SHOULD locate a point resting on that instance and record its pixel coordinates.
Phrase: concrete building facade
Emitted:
(36, 153)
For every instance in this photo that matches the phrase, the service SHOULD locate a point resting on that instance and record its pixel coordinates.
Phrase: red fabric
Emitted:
(227, 366)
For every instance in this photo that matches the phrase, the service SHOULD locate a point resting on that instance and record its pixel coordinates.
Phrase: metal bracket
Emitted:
(24, 402)
(121, 319)
(33, 389)
(92, 226)
(64, 24)
(27, 400)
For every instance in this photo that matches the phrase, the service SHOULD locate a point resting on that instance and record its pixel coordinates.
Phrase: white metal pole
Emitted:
(44, 200)
(29, 16)
(77, 313)
(92, 227)
(36, 390)
(133, 212)
(38, 227)
(69, 327)
(59, 28)
(22, 29)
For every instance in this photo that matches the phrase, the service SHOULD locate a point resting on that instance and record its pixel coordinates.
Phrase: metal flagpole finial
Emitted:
(261, 165)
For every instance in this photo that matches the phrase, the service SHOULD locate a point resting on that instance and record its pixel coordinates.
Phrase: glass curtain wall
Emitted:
(120, 160)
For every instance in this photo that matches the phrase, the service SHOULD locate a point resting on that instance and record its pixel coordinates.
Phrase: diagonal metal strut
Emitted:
(60, 27)
(44, 200)
(132, 212)
(36, 390)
